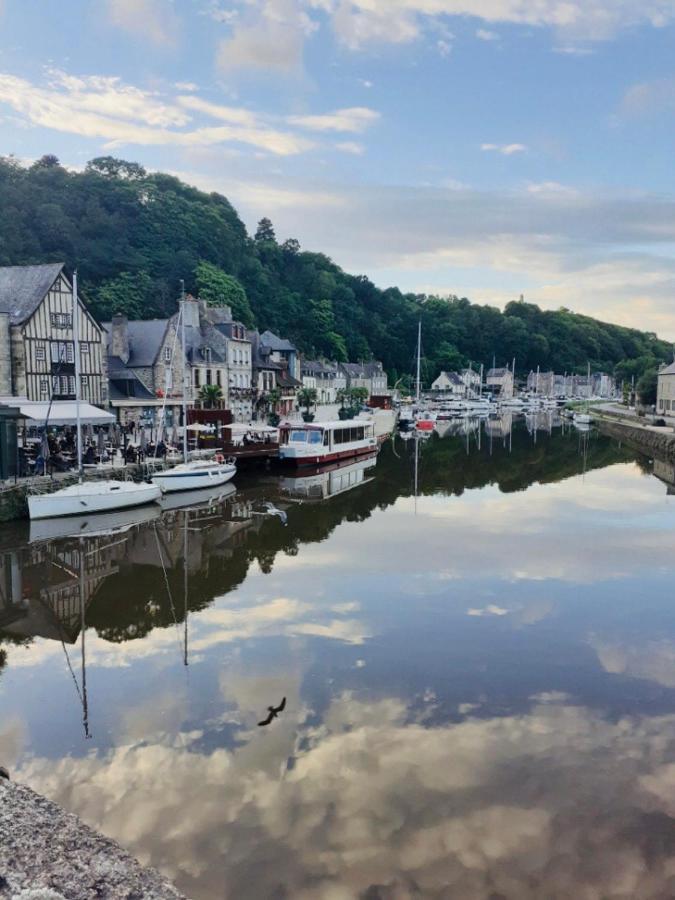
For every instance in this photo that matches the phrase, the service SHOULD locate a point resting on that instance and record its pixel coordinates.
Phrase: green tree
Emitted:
(211, 396)
(129, 294)
(265, 232)
(220, 289)
(646, 387)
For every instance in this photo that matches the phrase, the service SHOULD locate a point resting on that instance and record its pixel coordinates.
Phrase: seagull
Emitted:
(273, 712)
(273, 510)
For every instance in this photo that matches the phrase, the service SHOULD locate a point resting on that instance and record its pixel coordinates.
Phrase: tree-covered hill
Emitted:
(134, 235)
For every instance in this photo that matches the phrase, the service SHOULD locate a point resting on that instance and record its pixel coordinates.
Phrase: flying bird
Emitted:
(273, 712)
(273, 510)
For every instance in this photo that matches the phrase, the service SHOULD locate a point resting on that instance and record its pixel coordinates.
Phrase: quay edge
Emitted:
(647, 439)
(49, 852)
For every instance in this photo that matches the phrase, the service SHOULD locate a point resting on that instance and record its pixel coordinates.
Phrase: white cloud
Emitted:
(504, 149)
(484, 35)
(359, 22)
(186, 86)
(354, 119)
(104, 108)
(350, 147)
(649, 98)
(270, 36)
(147, 20)
(491, 610)
(444, 47)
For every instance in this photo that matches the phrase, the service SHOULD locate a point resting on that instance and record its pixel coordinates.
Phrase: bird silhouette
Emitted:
(273, 712)
(273, 510)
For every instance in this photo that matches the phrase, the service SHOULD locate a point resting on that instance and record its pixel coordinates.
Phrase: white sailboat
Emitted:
(191, 475)
(88, 496)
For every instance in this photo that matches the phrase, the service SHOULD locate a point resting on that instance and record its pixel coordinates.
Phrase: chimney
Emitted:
(119, 343)
(190, 308)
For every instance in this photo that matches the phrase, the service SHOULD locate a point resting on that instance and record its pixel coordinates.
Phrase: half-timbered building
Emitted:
(37, 351)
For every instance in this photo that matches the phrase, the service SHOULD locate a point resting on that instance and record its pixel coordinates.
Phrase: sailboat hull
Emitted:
(91, 497)
(194, 476)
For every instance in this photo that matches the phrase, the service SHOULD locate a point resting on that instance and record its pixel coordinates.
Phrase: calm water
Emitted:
(480, 680)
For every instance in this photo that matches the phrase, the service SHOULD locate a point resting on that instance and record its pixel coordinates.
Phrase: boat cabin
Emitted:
(318, 442)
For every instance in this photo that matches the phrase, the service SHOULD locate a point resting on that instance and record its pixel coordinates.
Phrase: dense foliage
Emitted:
(134, 235)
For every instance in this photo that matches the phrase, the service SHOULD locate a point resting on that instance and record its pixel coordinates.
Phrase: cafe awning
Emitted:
(63, 412)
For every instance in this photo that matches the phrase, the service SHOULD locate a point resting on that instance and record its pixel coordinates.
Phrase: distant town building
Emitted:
(542, 383)
(37, 353)
(500, 382)
(665, 390)
(472, 382)
(327, 378)
(370, 375)
(450, 383)
(275, 363)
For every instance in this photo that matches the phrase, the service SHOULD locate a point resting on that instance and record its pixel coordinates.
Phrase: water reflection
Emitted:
(479, 698)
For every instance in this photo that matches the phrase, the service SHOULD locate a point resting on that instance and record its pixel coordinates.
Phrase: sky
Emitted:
(484, 148)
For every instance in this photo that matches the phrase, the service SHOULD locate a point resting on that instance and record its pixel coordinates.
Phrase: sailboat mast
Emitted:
(185, 587)
(184, 367)
(419, 358)
(76, 358)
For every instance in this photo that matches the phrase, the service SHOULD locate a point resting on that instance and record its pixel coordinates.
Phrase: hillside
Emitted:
(134, 235)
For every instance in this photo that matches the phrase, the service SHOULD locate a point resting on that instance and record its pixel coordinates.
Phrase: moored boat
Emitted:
(199, 473)
(314, 443)
(91, 497)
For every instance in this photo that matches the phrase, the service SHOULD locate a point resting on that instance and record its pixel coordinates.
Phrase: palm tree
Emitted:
(306, 397)
(211, 396)
(273, 400)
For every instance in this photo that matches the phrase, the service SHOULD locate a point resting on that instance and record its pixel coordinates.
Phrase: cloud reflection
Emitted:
(557, 802)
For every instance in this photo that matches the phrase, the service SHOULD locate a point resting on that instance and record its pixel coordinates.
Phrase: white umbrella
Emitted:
(197, 426)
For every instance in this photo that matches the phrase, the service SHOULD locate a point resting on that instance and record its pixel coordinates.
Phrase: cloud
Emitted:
(606, 253)
(354, 119)
(350, 147)
(649, 98)
(147, 20)
(270, 36)
(359, 22)
(486, 807)
(104, 108)
(504, 149)
(490, 610)
(484, 35)
(186, 86)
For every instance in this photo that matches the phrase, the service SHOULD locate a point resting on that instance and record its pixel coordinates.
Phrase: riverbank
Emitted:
(51, 853)
(651, 439)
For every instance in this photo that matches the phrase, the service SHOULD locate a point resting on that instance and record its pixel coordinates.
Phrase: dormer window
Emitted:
(206, 354)
(167, 355)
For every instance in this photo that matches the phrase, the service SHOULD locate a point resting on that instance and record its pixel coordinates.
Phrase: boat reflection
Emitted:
(324, 482)
(91, 524)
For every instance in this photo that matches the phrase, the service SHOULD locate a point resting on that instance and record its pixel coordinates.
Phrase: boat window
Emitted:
(326, 439)
(314, 437)
(298, 437)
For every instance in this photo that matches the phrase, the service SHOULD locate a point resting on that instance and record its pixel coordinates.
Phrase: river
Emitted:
(475, 637)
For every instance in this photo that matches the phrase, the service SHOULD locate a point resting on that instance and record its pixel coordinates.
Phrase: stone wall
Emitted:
(654, 442)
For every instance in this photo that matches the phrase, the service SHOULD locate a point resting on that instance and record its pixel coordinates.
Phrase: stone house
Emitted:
(449, 383)
(500, 382)
(239, 361)
(665, 390)
(147, 365)
(472, 382)
(326, 377)
(370, 375)
(274, 360)
(37, 353)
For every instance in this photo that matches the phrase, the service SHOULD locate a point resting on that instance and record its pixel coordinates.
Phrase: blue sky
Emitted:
(482, 148)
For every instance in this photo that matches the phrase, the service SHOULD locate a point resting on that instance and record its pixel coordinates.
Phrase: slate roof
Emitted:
(497, 373)
(362, 370)
(317, 367)
(669, 370)
(23, 288)
(452, 377)
(275, 343)
(145, 339)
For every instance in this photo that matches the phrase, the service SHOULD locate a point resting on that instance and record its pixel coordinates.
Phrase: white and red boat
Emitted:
(312, 444)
